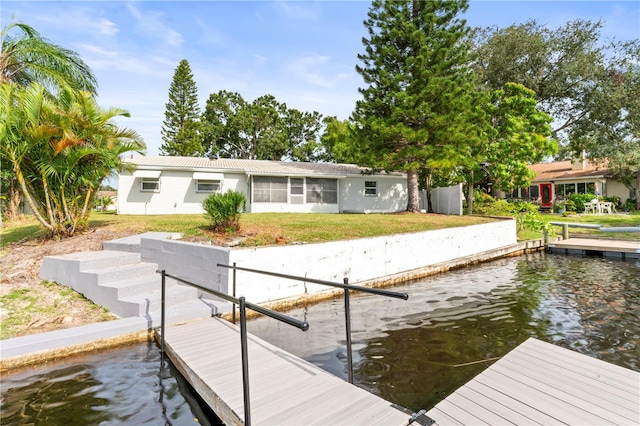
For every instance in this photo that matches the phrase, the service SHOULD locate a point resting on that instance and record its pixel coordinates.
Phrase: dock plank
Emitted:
(284, 389)
(574, 389)
(586, 388)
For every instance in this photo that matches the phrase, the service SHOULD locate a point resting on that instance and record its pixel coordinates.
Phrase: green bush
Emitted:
(527, 214)
(486, 205)
(579, 200)
(223, 210)
(629, 205)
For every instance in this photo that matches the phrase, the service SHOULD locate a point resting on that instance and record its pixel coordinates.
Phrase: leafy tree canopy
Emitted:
(264, 129)
(590, 87)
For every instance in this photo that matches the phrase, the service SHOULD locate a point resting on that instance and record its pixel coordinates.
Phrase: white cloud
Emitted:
(152, 25)
(259, 60)
(298, 10)
(309, 70)
(75, 20)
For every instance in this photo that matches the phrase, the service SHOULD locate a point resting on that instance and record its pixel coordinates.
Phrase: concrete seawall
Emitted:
(378, 262)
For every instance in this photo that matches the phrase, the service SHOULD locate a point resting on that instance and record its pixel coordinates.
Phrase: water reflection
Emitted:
(123, 386)
(416, 352)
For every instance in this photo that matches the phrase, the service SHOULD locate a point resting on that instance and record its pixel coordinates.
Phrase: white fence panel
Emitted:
(444, 200)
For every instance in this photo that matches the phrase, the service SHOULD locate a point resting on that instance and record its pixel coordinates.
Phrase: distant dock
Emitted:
(592, 246)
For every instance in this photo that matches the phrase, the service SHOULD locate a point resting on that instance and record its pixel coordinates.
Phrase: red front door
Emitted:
(547, 195)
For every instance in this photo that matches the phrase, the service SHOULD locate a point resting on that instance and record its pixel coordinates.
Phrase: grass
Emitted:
(262, 228)
(23, 306)
(259, 229)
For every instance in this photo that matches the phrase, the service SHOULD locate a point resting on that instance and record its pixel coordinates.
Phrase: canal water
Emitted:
(413, 353)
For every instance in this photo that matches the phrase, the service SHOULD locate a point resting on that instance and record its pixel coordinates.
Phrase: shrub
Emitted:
(579, 200)
(223, 210)
(629, 205)
(485, 204)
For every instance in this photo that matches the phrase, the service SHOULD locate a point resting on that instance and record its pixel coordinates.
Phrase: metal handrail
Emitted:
(347, 310)
(243, 304)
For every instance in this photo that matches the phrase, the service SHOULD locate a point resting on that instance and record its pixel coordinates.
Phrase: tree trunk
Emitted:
(470, 194)
(413, 202)
(32, 204)
(13, 206)
(637, 192)
(428, 186)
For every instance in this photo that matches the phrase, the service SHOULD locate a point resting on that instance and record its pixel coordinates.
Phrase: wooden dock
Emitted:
(285, 390)
(540, 383)
(536, 383)
(590, 246)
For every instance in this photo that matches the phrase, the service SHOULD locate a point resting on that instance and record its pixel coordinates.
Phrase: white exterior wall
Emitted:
(392, 194)
(177, 193)
(617, 189)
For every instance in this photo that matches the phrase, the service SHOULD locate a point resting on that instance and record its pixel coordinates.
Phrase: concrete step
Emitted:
(65, 269)
(119, 273)
(148, 303)
(135, 286)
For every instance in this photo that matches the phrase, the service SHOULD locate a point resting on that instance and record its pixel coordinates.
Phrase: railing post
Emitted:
(233, 305)
(565, 231)
(162, 300)
(245, 361)
(347, 323)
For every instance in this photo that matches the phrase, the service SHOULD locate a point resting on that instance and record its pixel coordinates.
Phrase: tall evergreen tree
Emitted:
(181, 126)
(417, 110)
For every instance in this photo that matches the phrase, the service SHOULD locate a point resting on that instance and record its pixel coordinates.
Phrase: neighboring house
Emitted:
(166, 185)
(104, 195)
(557, 180)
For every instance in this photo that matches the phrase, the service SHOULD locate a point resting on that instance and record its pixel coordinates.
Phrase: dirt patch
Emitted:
(27, 304)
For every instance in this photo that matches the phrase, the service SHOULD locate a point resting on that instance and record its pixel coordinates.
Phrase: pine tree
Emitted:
(181, 126)
(416, 111)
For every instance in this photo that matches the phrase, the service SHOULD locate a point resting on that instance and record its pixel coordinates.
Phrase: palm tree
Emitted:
(61, 151)
(26, 57)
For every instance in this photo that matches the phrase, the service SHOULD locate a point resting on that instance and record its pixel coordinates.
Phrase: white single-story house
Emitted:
(557, 180)
(168, 185)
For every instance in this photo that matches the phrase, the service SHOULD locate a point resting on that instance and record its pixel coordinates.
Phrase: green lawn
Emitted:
(270, 228)
(261, 228)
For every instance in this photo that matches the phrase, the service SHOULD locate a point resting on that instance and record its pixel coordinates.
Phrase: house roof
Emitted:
(562, 170)
(251, 167)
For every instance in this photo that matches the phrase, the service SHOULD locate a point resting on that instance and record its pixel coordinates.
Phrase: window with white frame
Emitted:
(370, 188)
(150, 184)
(296, 186)
(270, 189)
(322, 191)
(203, 185)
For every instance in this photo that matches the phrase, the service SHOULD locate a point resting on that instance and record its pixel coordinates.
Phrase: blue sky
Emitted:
(302, 52)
